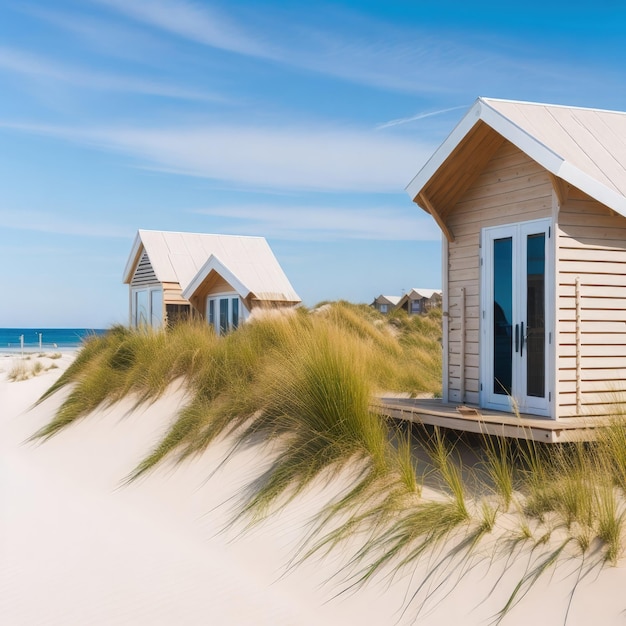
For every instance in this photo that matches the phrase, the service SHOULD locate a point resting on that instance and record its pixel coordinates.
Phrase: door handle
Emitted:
(516, 337)
(521, 343)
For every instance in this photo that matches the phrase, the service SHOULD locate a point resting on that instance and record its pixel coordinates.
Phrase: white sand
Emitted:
(77, 547)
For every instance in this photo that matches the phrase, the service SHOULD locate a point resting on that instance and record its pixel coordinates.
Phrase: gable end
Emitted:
(144, 274)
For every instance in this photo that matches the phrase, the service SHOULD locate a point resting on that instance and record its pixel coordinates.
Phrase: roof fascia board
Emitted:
(130, 264)
(213, 263)
(444, 150)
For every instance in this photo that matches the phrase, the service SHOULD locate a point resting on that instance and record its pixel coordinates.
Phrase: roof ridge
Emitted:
(487, 100)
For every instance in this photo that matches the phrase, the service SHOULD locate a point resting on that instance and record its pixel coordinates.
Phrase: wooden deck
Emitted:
(473, 419)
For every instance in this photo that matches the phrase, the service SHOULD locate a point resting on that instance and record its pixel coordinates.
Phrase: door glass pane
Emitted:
(211, 312)
(535, 315)
(156, 308)
(223, 315)
(141, 308)
(235, 302)
(502, 315)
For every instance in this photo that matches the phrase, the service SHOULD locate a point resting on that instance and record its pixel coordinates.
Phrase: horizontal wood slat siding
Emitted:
(144, 274)
(173, 294)
(591, 247)
(511, 188)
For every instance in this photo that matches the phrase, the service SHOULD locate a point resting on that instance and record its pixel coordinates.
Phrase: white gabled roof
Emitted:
(584, 147)
(257, 273)
(423, 293)
(393, 300)
(182, 257)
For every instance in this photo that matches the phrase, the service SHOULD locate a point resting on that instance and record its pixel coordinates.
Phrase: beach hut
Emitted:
(420, 300)
(531, 201)
(172, 275)
(385, 304)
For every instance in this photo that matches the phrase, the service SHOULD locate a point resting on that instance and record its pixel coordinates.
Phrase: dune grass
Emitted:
(24, 369)
(304, 382)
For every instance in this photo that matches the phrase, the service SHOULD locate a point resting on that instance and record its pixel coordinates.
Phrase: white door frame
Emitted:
(518, 400)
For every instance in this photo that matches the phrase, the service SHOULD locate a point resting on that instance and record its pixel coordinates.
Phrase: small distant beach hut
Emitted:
(531, 201)
(420, 300)
(173, 275)
(385, 304)
(230, 286)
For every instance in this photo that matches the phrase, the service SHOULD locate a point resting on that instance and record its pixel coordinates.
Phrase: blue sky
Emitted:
(300, 122)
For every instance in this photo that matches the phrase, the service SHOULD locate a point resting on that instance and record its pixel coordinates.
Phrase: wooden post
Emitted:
(462, 374)
(578, 342)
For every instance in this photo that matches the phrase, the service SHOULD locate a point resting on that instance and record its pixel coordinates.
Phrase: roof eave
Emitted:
(444, 151)
(132, 259)
(535, 149)
(214, 264)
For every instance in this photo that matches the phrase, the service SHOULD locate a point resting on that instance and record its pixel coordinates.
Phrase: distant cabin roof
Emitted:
(423, 293)
(179, 258)
(393, 300)
(583, 147)
(257, 273)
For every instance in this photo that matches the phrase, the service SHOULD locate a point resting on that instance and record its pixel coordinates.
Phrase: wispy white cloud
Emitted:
(20, 62)
(416, 117)
(320, 159)
(390, 57)
(46, 222)
(202, 24)
(109, 37)
(324, 223)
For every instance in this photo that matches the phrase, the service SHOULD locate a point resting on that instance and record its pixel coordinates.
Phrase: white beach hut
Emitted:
(172, 275)
(531, 201)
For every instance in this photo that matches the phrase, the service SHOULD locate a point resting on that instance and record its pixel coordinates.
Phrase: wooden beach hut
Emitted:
(531, 201)
(385, 304)
(172, 275)
(420, 300)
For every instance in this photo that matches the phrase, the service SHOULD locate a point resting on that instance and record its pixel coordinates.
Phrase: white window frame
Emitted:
(230, 296)
(154, 318)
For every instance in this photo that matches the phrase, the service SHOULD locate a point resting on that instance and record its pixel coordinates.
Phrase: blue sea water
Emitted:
(44, 338)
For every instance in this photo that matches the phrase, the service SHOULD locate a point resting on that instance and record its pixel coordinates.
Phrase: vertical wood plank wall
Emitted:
(512, 188)
(592, 247)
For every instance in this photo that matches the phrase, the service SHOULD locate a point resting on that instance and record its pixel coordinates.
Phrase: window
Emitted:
(224, 312)
(177, 313)
(141, 308)
(383, 308)
(224, 326)
(156, 308)
(235, 312)
(146, 307)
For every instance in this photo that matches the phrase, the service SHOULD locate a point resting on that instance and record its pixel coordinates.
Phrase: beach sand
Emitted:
(79, 546)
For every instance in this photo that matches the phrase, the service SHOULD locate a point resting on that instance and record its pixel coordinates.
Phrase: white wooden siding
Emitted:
(512, 188)
(592, 248)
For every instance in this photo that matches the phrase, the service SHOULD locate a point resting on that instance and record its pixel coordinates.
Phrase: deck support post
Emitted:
(462, 355)
(578, 341)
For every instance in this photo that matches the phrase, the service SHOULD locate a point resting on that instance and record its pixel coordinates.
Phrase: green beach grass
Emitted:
(305, 381)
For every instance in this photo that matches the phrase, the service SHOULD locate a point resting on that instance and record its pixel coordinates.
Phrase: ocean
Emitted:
(44, 338)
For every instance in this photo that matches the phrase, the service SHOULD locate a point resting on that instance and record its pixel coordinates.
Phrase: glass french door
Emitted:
(516, 321)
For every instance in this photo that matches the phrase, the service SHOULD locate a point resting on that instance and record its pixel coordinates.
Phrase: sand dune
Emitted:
(78, 546)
